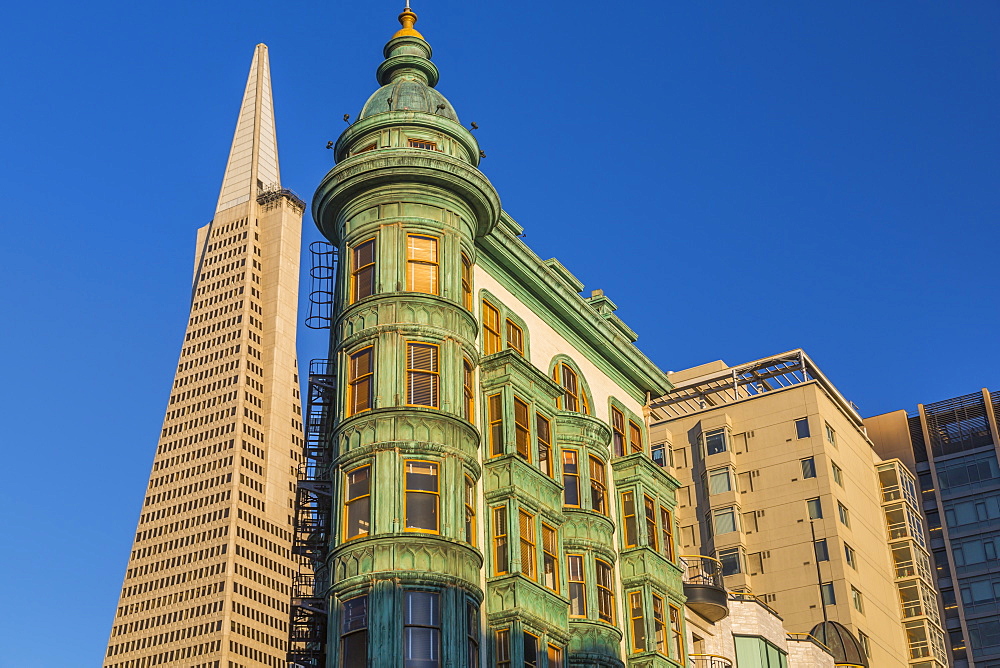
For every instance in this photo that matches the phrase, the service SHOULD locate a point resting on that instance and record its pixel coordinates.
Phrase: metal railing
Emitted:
(709, 661)
(701, 570)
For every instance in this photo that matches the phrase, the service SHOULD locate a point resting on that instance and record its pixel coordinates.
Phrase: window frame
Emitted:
(434, 375)
(649, 514)
(561, 372)
(857, 599)
(828, 593)
(659, 625)
(514, 332)
(527, 544)
(468, 390)
(422, 144)
(579, 585)
(808, 465)
(344, 632)
(598, 485)
(605, 590)
(436, 494)
(349, 501)
(837, 473)
(667, 538)
(575, 476)
(536, 641)
(713, 432)
(500, 542)
(470, 510)
(354, 380)
(550, 556)
(435, 264)
(492, 338)
(628, 497)
(844, 514)
(356, 269)
(818, 506)
(636, 622)
(435, 628)
(850, 556)
(635, 439)
(495, 423)
(522, 430)
(676, 634)
(618, 437)
(468, 296)
(546, 463)
(802, 433)
(502, 646)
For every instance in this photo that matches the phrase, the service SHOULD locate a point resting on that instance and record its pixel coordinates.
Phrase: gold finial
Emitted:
(407, 19)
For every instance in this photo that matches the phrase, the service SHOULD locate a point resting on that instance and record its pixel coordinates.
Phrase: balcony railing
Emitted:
(702, 570)
(709, 661)
(704, 586)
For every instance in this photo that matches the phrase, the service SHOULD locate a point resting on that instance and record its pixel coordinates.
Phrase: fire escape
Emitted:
(313, 520)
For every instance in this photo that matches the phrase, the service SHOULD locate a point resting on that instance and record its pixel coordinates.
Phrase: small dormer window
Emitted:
(424, 144)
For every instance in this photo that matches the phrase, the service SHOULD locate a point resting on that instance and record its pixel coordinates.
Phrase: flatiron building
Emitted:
(207, 582)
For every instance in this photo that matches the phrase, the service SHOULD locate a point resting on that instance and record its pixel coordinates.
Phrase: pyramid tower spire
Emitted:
(253, 157)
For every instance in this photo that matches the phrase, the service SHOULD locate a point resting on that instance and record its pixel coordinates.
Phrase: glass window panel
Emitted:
(715, 441)
(421, 496)
(422, 264)
(491, 329)
(363, 270)
(637, 621)
(617, 432)
(544, 438)
(802, 428)
(808, 467)
(515, 337)
(631, 533)
(719, 481)
(522, 429)
(815, 508)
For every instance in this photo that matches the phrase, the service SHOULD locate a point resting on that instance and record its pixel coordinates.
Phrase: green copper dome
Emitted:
(408, 95)
(408, 76)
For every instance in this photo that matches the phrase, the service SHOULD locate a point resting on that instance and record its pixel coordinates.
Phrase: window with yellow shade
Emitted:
(422, 264)
(492, 343)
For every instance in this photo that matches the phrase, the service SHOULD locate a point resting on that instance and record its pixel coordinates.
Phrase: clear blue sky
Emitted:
(741, 178)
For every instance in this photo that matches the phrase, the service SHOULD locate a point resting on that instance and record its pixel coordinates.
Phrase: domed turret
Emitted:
(408, 76)
(842, 644)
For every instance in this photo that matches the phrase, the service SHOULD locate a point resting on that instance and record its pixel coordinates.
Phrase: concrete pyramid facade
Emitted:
(207, 582)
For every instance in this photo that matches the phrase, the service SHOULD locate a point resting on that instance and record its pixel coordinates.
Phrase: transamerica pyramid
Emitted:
(207, 583)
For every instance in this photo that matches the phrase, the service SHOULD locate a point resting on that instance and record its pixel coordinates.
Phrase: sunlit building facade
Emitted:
(952, 445)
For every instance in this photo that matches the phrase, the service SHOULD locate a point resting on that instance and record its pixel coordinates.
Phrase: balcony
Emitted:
(709, 661)
(705, 588)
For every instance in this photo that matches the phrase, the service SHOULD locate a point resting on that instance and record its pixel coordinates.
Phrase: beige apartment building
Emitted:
(207, 582)
(779, 483)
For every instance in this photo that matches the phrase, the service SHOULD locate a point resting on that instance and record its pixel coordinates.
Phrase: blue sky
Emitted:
(740, 178)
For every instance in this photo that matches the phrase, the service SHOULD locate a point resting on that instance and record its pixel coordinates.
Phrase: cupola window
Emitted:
(424, 144)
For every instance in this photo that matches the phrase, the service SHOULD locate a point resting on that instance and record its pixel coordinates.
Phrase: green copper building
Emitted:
(492, 496)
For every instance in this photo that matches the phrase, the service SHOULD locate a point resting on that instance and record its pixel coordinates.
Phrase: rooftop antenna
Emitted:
(407, 4)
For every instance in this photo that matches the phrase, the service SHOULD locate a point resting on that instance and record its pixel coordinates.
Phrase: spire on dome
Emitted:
(407, 19)
(253, 157)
